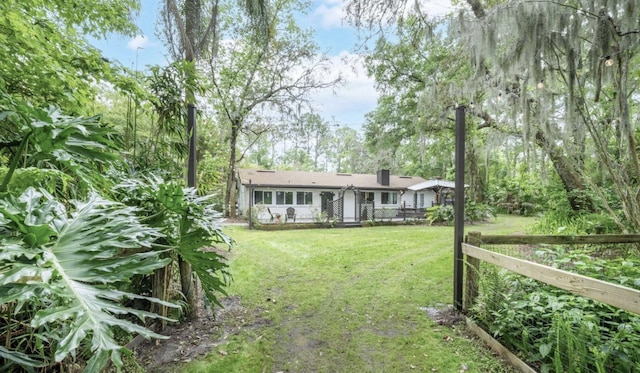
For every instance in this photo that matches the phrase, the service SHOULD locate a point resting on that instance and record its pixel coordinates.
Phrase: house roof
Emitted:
(304, 179)
(433, 184)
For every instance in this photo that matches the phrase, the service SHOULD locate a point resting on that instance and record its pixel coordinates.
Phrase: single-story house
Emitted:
(315, 196)
(441, 190)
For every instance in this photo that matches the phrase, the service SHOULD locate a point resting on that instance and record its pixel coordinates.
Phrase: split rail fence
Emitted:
(475, 256)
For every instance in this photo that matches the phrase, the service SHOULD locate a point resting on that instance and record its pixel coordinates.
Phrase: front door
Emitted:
(325, 198)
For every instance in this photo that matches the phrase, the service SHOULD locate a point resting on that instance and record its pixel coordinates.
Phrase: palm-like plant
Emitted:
(49, 139)
(189, 223)
(67, 266)
(65, 262)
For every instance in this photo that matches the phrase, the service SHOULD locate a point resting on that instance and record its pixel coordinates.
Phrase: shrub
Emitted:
(440, 214)
(561, 222)
(473, 212)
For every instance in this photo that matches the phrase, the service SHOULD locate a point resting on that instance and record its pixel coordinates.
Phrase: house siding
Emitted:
(411, 192)
(313, 211)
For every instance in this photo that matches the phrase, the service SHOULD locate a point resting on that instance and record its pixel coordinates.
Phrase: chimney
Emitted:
(383, 177)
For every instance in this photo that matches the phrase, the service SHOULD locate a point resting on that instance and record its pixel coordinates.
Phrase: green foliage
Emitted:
(43, 58)
(61, 271)
(190, 225)
(165, 145)
(477, 212)
(473, 212)
(524, 195)
(559, 331)
(440, 214)
(53, 181)
(210, 178)
(65, 264)
(52, 140)
(559, 222)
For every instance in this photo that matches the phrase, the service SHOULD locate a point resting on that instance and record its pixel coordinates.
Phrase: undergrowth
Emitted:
(557, 331)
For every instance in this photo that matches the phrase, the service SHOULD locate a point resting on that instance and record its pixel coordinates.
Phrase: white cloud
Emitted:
(330, 13)
(139, 41)
(348, 103)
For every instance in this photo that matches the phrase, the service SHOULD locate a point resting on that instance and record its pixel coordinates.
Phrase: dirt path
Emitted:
(192, 340)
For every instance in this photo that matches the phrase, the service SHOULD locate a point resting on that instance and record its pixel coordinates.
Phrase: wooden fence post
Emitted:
(471, 269)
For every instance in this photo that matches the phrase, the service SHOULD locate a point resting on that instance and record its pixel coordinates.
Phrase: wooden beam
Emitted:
(612, 294)
(556, 239)
(499, 348)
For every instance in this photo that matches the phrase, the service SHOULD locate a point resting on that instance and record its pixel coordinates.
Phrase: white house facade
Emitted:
(315, 196)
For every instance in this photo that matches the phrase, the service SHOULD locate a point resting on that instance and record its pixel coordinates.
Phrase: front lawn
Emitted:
(348, 300)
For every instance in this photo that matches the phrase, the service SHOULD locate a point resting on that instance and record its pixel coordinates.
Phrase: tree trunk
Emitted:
(475, 176)
(573, 182)
(188, 284)
(230, 208)
(192, 22)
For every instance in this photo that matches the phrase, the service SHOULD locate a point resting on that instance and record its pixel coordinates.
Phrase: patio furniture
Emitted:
(291, 214)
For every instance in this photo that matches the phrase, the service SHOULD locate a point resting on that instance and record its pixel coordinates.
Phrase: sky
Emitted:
(345, 105)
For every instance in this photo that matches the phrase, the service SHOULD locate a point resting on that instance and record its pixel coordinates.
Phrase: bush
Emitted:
(473, 212)
(440, 214)
(561, 222)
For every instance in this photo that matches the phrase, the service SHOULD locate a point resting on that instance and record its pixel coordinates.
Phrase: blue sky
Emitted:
(346, 105)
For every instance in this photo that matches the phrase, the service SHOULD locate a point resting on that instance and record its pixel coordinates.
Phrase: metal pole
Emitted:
(250, 205)
(458, 209)
(191, 132)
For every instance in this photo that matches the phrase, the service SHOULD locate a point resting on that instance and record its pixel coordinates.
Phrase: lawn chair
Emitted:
(291, 214)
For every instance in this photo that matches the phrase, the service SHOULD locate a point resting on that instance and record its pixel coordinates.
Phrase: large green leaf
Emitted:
(209, 266)
(79, 268)
(19, 358)
(77, 146)
(191, 225)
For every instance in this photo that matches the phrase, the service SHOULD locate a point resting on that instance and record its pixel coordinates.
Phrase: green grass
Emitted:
(348, 300)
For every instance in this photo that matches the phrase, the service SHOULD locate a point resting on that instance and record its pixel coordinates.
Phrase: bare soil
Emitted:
(192, 339)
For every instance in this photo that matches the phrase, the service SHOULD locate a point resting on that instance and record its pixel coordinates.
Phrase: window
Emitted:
(304, 198)
(284, 198)
(389, 198)
(263, 197)
(421, 199)
(367, 196)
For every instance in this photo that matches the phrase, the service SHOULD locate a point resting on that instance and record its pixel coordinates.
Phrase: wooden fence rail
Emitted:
(476, 238)
(602, 291)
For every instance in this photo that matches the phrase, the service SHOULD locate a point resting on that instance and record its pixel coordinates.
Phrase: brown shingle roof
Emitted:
(304, 179)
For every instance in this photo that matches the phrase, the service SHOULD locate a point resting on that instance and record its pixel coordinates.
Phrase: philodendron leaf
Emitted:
(19, 358)
(81, 270)
(209, 266)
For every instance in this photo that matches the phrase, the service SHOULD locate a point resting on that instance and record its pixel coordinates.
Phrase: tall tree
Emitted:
(190, 28)
(568, 69)
(255, 85)
(418, 71)
(563, 49)
(44, 56)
